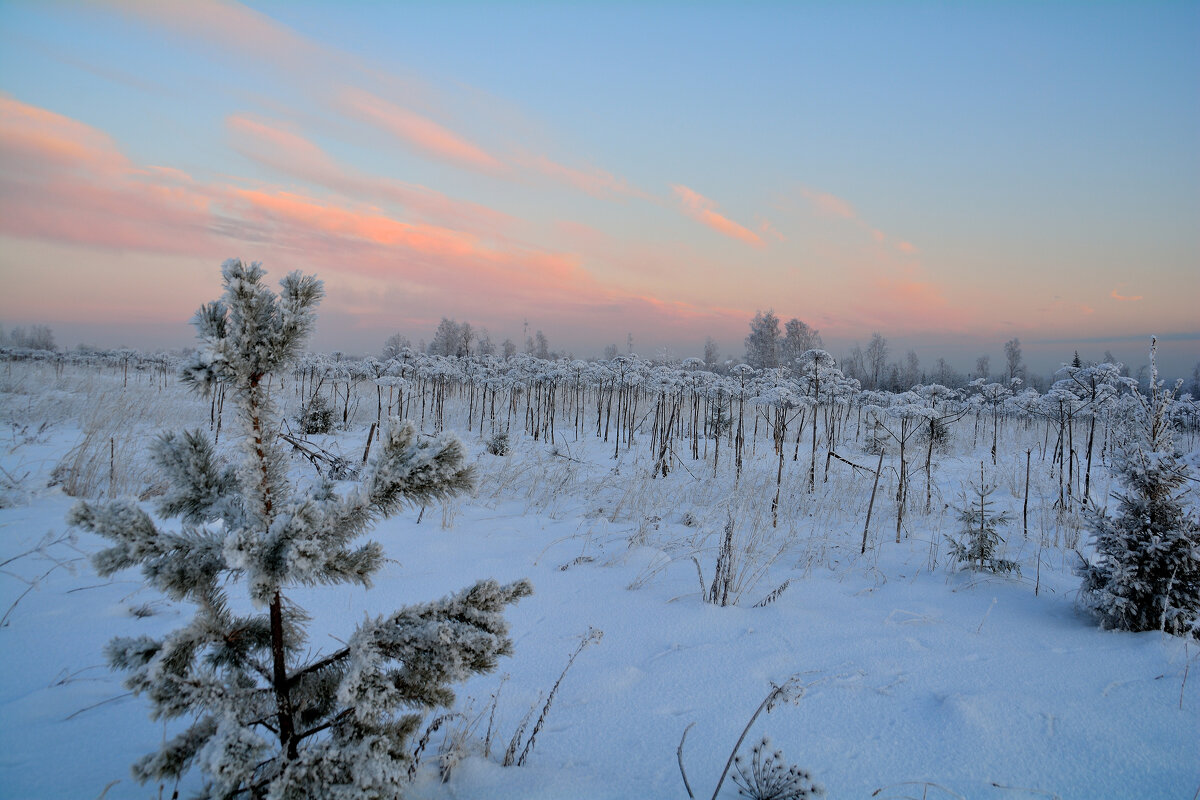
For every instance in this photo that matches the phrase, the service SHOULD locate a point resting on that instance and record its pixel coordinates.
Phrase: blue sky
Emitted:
(951, 175)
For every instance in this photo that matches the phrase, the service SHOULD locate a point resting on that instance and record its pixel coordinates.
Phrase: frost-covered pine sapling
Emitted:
(268, 718)
(1146, 571)
(980, 540)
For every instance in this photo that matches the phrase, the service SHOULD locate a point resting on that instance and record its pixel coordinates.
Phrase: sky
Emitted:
(951, 175)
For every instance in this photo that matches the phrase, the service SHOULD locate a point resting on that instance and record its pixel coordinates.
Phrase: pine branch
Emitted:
(316, 666)
(339, 719)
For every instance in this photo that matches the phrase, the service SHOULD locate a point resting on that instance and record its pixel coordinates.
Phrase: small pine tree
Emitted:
(980, 540)
(268, 718)
(1146, 572)
(316, 416)
(498, 444)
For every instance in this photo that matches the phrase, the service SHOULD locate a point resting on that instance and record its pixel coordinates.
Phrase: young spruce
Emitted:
(979, 545)
(1145, 571)
(267, 718)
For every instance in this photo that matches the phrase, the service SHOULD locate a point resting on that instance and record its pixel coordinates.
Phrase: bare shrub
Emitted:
(768, 776)
(765, 776)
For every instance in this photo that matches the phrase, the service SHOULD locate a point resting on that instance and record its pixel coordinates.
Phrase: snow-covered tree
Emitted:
(910, 373)
(712, 353)
(541, 346)
(817, 375)
(484, 346)
(394, 345)
(762, 345)
(908, 416)
(877, 352)
(798, 338)
(1012, 359)
(1146, 570)
(993, 395)
(269, 717)
(37, 337)
(1096, 385)
(448, 339)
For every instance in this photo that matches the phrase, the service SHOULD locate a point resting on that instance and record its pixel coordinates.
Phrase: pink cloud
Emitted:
(94, 196)
(296, 210)
(64, 180)
(767, 229)
(279, 147)
(1118, 296)
(159, 213)
(917, 295)
(828, 204)
(418, 131)
(700, 208)
(292, 154)
(591, 180)
(690, 312)
(1058, 307)
(30, 134)
(236, 28)
(909, 303)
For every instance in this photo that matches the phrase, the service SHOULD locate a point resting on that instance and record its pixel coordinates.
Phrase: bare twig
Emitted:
(791, 690)
(370, 436)
(773, 596)
(40, 547)
(110, 785)
(510, 754)
(487, 739)
(590, 637)
(32, 585)
(1023, 789)
(113, 699)
(679, 757)
(867, 470)
(925, 785)
(429, 731)
(338, 467)
(700, 575)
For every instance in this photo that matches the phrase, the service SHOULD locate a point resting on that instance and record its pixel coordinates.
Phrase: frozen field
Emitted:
(920, 679)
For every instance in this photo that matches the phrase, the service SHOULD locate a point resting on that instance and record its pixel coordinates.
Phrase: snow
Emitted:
(913, 671)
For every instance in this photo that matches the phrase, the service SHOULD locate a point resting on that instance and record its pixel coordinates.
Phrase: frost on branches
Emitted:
(1146, 571)
(268, 719)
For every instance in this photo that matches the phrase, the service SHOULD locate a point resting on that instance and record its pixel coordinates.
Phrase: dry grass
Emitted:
(681, 515)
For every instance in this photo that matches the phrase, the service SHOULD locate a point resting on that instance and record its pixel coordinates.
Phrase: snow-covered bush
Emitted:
(498, 444)
(1146, 571)
(269, 717)
(316, 416)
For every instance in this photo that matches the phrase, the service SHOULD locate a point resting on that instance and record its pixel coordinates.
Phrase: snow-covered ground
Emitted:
(920, 680)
